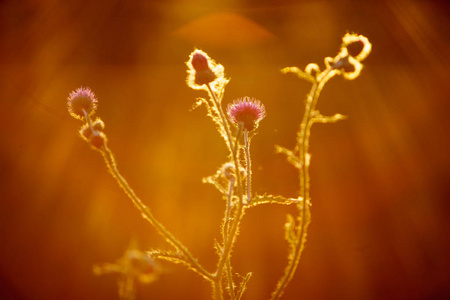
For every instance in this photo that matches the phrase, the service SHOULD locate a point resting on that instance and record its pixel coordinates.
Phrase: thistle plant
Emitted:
(233, 178)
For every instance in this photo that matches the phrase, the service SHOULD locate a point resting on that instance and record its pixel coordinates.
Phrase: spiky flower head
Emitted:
(246, 112)
(203, 70)
(80, 102)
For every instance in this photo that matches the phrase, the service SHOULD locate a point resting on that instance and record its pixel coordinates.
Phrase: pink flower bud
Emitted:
(202, 70)
(246, 112)
(199, 61)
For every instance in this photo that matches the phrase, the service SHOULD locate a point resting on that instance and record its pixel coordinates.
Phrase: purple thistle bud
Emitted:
(202, 70)
(98, 140)
(199, 61)
(246, 112)
(80, 102)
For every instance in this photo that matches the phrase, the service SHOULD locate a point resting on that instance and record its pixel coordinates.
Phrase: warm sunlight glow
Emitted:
(218, 173)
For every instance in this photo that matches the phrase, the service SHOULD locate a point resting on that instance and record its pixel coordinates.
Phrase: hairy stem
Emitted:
(249, 165)
(228, 211)
(229, 242)
(146, 213)
(217, 290)
(222, 117)
(304, 211)
(230, 191)
(230, 281)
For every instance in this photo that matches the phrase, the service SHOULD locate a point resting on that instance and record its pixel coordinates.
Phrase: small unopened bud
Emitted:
(203, 70)
(200, 63)
(86, 130)
(98, 139)
(229, 171)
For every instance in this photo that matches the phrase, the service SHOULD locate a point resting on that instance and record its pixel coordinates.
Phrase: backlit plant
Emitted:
(233, 178)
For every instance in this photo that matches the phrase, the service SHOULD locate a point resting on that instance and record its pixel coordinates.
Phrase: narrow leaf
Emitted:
(326, 119)
(270, 199)
(291, 157)
(299, 73)
(243, 285)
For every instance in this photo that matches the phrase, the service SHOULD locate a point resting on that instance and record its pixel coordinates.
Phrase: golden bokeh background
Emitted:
(380, 180)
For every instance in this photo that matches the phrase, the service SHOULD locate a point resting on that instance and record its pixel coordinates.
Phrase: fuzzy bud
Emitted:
(199, 61)
(98, 139)
(229, 171)
(86, 130)
(203, 72)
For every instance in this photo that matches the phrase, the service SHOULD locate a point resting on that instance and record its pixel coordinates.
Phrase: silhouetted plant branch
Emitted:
(233, 179)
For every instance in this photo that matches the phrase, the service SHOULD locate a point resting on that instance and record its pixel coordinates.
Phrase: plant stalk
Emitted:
(304, 211)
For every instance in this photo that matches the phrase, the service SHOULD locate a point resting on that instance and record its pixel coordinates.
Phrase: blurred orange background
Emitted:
(380, 181)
